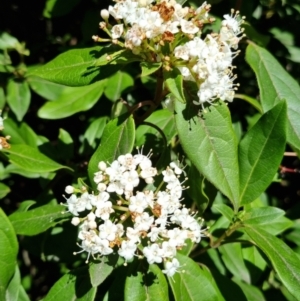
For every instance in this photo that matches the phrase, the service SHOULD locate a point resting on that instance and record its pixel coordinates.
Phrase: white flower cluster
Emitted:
(122, 219)
(209, 61)
(163, 30)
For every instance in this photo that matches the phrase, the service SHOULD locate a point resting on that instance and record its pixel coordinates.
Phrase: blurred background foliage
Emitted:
(34, 32)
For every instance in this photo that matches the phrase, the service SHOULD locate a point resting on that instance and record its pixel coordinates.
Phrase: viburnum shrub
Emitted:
(156, 188)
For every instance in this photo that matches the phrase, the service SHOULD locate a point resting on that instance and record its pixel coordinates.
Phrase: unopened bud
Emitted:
(75, 221)
(104, 14)
(102, 165)
(69, 189)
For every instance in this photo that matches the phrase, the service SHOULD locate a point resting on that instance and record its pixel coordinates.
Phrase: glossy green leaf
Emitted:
(72, 100)
(25, 205)
(65, 146)
(145, 285)
(285, 262)
(262, 215)
(15, 291)
(116, 84)
(276, 84)
(251, 292)
(47, 89)
(8, 252)
(196, 283)
(210, 143)
(254, 261)
(30, 159)
(233, 259)
(224, 210)
(99, 271)
(278, 226)
(75, 67)
(18, 97)
(201, 191)
(95, 130)
(38, 220)
(117, 139)
(4, 190)
(149, 68)
(2, 98)
(74, 285)
(174, 82)
(260, 153)
(147, 134)
(57, 8)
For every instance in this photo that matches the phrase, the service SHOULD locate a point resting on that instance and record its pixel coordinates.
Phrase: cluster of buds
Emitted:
(3, 140)
(165, 31)
(127, 217)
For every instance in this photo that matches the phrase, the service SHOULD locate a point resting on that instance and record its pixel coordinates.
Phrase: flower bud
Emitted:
(75, 221)
(104, 14)
(69, 189)
(102, 165)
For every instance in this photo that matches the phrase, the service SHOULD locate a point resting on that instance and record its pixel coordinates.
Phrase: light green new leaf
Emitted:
(260, 153)
(117, 139)
(116, 84)
(73, 100)
(210, 143)
(95, 130)
(15, 290)
(75, 67)
(262, 215)
(195, 284)
(30, 159)
(164, 120)
(99, 271)
(251, 292)
(285, 262)
(47, 89)
(276, 84)
(233, 259)
(174, 82)
(224, 210)
(148, 285)
(8, 252)
(149, 68)
(38, 220)
(18, 97)
(4, 190)
(74, 285)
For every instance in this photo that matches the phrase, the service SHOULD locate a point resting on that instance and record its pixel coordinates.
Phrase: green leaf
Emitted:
(224, 210)
(45, 88)
(117, 139)
(149, 68)
(147, 134)
(58, 8)
(74, 285)
(73, 100)
(116, 84)
(233, 260)
(260, 153)
(15, 290)
(210, 143)
(18, 97)
(75, 67)
(30, 159)
(141, 285)
(65, 145)
(99, 271)
(8, 252)
(262, 215)
(2, 98)
(251, 292)
(285, 262)
(174, 82)
(38, 220)
(186, 286)
(276, 84)
(278, 226)
(4, 190)
(95, 130)
(200, 190)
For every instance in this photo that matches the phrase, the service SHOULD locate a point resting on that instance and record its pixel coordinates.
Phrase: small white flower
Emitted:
(75, 221)
(188, 27)
(69, 189)
(153, 253)
(171, 267)
(127, 249)
(116, 31)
